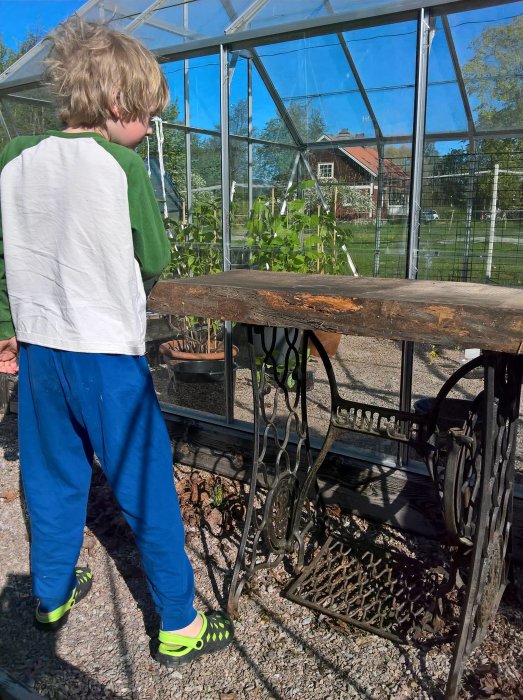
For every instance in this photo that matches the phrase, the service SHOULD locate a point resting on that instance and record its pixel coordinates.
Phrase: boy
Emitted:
(82, 235)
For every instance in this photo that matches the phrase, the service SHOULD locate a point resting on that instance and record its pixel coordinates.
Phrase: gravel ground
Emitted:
(281, 650)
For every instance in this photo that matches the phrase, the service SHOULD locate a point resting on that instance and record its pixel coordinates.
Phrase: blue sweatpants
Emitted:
(73, 405)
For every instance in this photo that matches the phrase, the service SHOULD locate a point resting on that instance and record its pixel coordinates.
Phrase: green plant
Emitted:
(196, 250)
(297, 240)
(276, 240)
(433, 354)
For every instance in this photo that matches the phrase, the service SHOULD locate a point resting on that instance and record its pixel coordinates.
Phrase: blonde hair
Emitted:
(91, 69)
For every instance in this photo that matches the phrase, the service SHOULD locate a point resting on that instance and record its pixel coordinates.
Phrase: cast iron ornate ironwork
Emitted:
(470, 462)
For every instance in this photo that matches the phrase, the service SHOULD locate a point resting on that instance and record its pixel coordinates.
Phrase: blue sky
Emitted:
(18, 17)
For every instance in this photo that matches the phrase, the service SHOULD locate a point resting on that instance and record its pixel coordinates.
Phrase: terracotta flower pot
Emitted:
(172, 352)
(329, 340)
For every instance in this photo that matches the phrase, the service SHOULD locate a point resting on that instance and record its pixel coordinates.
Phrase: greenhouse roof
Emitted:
(335, 57)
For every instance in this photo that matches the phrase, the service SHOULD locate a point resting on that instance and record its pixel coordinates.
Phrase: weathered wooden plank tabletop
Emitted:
(444, 313)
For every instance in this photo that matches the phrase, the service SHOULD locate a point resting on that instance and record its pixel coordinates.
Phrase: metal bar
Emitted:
(359, 83)
(246, 16)
(250, 149)
(316, 183)
(238, 137)
(467, 243)
(282, 109)
(418, 143)
(355, 73)
(379, 205)
(29, 100)
(356, 18)
(187, 119)
(155, 22)
(4, 123)
(232, 65)
(459, 76)
(226, 224)
(289, 183)
(143, 15)
(11, 119)
(229, 9)
(418, 132)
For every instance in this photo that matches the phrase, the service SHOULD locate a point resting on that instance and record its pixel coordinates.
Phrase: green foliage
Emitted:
(196, 245)
(493, 74)
(196, 250)
(297, 241)
(8, 56)
(273, 164)
(335, 194)
(218, 494)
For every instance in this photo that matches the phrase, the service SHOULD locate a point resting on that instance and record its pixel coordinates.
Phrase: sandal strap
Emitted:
(180, 640)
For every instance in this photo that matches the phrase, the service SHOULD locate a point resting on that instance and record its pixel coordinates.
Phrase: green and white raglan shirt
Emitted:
(81, 231)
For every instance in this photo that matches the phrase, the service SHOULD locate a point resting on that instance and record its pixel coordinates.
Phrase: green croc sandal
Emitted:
(175, 649)
(51, 621)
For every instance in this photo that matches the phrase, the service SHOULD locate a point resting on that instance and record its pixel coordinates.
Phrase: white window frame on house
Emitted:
(326, 177)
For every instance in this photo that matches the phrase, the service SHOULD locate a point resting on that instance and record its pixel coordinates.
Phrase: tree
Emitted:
(8, 56)
(273, 164)
(494, 74)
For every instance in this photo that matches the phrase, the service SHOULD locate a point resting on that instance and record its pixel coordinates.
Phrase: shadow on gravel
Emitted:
(29, 655)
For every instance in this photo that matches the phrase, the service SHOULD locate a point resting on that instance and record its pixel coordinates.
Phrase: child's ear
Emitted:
(115, 111)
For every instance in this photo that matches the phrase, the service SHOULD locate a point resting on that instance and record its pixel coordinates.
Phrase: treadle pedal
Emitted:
(374, 588)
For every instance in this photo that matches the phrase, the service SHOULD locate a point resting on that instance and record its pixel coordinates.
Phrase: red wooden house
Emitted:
(353, 174)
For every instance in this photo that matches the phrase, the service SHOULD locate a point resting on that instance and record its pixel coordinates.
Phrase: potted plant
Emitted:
(196, 356)
(304, 238)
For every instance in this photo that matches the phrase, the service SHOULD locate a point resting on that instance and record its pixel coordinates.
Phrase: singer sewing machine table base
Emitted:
(470, 463)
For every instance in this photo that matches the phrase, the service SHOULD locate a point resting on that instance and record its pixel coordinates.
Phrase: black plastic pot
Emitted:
(199, 371)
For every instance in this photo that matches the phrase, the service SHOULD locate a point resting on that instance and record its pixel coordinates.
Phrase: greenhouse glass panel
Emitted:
(206, 170)
(317, 87)
(385, 58)
(175, 111)
(238, 96)
(29, 112)
(211, 18)
(272, 168)
(29, 66)
(204, 92)
(445, 112)
(277, 12)
(155, 37)
(239, 179)
(445, 108)
(266, 119)
(488, 45)
(472, 213)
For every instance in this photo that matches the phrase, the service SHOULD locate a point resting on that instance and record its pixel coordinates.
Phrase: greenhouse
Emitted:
(364, 144)
(366, 138)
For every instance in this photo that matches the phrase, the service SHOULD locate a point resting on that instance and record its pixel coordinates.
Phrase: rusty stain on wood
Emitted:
(327, 304)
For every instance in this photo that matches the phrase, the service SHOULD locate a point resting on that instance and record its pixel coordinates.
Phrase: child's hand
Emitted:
(8, 356)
